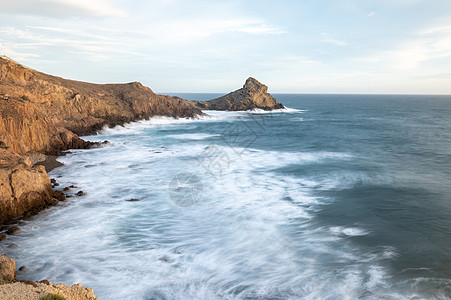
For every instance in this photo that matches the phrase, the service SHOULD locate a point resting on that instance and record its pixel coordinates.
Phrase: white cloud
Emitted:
(429, 44)
(18, 42)
(61, 8)
(371, 14)
(261, 29)
(328, 39)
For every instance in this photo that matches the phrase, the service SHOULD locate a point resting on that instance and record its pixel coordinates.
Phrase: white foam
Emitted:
(280, 110)
(348, 231)
(251, 234)
(193, 136)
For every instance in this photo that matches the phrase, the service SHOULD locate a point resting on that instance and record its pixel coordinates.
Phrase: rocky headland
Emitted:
(41, 116)
(252, 95)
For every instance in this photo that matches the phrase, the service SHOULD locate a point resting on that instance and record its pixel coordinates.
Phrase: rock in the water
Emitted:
(7, 268)
(23, 269)
(133, 200)
(253, 95)
(13, 230)
(2, 237)
(80, 193)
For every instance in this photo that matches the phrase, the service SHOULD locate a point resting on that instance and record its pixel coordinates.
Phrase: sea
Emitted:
(334, 197)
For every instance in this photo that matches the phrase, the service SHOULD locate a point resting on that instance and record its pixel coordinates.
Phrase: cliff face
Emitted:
(252, 95)
(24, 189)
(46, 113)
(40, 113)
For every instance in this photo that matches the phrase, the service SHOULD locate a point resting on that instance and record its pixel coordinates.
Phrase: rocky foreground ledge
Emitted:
(12, 289)
(41, 116)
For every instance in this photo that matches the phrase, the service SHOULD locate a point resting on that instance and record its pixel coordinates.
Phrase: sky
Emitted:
(293, 46)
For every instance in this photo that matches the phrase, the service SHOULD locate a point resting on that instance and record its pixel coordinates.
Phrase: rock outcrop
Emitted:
(24, 189)
(7, 269)
(252, 95)
(40, 113)
(10, 288)
(44, 113)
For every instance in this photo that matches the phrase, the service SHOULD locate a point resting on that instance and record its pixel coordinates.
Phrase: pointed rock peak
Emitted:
(254, 85)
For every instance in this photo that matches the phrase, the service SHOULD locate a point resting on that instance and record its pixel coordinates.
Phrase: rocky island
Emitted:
(42, 115)
(252, 95)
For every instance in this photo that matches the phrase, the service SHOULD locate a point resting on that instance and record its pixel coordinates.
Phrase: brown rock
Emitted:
(14, 230)
(58, 110)
(23, 190)
(45, 114)
(2, 237)
(29, 290)
(7, 268)
(58, 195)
(253, 95)
(80, 193)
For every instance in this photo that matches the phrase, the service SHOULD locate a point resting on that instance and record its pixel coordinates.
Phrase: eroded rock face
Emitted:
(31, 290)
(44, 113)
(40, 113)
(24, 190)
(252, 95)
(7, 269)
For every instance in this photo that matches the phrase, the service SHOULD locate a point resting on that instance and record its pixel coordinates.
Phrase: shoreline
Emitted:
(43, 116)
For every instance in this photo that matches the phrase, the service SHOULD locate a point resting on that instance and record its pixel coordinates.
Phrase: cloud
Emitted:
(261, 28)
(25, 44)
(371, 14)
(191, 30)
(61, 8)
(328, 39)
(427, 45)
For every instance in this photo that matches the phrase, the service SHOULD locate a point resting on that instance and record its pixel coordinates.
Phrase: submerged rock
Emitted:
(252, 95)
(14, 230)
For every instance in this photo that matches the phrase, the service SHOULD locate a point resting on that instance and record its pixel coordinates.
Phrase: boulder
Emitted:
(7, 268)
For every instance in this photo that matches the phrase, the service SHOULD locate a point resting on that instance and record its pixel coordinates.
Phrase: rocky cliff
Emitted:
(252, 95)
(44, 113)
(40, 113)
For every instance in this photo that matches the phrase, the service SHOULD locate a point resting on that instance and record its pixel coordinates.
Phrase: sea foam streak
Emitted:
(250, 234)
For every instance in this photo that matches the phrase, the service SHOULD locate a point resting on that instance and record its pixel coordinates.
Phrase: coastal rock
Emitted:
(37, 290)
(7, 269)
(252, 95)
(14, 230)
(44, 114)
(31, 290)
(24, 189)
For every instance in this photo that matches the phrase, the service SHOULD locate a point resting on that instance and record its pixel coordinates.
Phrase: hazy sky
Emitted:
(298, 46)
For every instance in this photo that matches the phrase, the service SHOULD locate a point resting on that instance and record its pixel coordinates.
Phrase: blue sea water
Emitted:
(337, 197)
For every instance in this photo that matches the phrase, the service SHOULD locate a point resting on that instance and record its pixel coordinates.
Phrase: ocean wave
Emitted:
(348, 231)
(280, 110)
